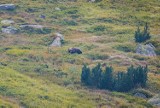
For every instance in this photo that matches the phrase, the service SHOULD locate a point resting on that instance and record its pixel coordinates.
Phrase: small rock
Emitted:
(74, 50)
(7, 7)
(140, 95)
(7, 22)
(10, 30)
(58, 9)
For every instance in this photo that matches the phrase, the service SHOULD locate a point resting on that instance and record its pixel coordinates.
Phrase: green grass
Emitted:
(37, 76)
(37, 93)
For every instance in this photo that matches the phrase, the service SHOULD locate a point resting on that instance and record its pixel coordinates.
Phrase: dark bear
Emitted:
(74, 50)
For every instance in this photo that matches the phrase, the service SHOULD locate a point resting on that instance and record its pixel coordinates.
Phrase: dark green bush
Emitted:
(142, 36)
(122, 82)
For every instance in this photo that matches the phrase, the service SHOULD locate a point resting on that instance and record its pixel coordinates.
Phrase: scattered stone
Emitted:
(7, 7)
(155, 101)
(34, 29)
(10, 30)
(7, 22)
(57, 9)
(31, 26)
(146, 50)
(74, 50)
(140, 95)
(57, 40)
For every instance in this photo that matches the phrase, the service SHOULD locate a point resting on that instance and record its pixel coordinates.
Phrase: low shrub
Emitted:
(97, 56)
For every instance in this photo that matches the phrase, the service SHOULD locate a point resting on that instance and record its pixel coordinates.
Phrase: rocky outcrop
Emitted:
(74, 50)
(140, 95)
(10, 30)
(57, 41)
(7, 7)
(146, 50)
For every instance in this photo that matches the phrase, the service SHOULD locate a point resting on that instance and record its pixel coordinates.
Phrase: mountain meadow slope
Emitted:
(34, 74)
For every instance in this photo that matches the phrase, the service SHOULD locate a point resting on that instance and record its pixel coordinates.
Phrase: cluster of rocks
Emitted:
(8, 25)
(146, 50)
(9, 28)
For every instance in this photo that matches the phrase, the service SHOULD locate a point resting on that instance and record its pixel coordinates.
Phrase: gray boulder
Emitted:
(10, 30)
(146, 50)
(57, 41)
(7, 7)
(7, 22)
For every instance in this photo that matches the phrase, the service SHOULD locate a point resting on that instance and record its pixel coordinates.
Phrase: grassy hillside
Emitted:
(37, 76)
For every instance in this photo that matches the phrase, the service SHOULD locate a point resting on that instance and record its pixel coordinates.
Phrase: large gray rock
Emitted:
(7, 22)
(7, 7)
(10, 30)
(155, 101)
(57, 40)
(146, 50)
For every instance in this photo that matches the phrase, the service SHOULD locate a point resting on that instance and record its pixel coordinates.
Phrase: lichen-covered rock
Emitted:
(57, 41)
(7, 7)
(10, 30)
(146, 50)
